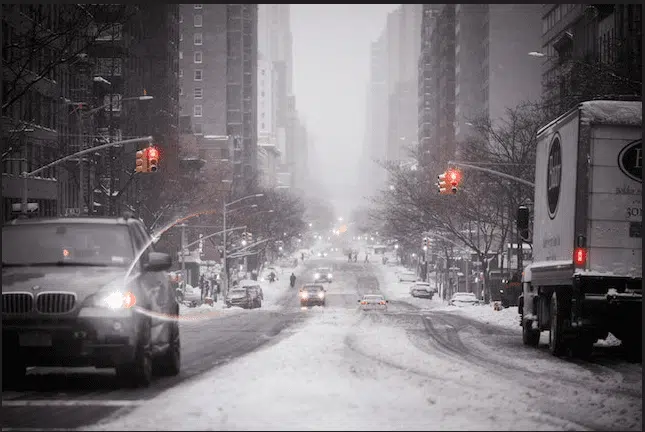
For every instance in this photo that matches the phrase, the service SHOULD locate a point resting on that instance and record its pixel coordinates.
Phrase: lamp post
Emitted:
(224, 209)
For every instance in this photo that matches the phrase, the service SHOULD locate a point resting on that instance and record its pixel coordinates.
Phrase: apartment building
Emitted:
(218, 75)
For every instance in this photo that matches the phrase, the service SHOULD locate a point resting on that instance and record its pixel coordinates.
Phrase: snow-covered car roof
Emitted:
(373, 296)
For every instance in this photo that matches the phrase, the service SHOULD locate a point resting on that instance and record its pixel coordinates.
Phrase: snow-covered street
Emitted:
(421, 365)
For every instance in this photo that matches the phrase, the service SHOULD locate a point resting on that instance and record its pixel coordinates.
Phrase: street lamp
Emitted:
(224, 209)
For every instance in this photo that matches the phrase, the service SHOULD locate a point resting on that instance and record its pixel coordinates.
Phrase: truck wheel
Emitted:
(530, 337)
(582, 347)
(557, 344)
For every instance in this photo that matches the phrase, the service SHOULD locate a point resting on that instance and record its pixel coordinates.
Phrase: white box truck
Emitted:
(586, 276)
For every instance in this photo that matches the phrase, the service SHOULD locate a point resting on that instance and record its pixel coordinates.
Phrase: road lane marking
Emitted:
(26, 429)
(69, 403)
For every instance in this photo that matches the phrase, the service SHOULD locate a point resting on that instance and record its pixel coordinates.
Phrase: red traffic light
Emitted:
(454, 176)
(153, 153)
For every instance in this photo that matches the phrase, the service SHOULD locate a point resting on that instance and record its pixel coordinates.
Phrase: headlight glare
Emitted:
(317, 275)
(329, 275)
(117, 300)
(321, 294)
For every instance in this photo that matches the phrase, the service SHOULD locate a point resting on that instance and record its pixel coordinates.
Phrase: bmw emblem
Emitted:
(35, 287)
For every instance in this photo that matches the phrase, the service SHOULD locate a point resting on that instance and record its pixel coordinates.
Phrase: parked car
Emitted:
(246, 298)
(253, 285)
(192, 296)
(312, 295)
(407, 276)
(422, 290)
(69, 291)
(463, 299)
(372, 302)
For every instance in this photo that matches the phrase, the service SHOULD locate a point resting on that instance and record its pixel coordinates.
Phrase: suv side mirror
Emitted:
(523, 222)
(158, 261)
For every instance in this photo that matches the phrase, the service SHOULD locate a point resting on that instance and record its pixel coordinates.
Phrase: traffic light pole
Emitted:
(26, 175)
(490, 171)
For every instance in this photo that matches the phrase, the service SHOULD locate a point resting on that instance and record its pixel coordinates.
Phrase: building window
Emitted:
(114, 102)
(197, 110)
(199, 128)
(198, 74)
(198, 20)
(181, 55)
(199, 92)
(197, 56)
(181, 91)
(181, 18)
(181, 73)
(198, 6)
(263, 71)
(263, 126)
(197, 38)
(181, 37)
(109, 66)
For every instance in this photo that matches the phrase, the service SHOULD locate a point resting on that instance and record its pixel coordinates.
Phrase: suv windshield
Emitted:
(66, 244)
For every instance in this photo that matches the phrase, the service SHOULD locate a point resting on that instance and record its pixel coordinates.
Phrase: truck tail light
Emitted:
(580, 256)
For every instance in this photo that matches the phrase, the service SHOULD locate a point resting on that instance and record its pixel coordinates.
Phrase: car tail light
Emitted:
(363, 302)
(382, 303)
(580, 256)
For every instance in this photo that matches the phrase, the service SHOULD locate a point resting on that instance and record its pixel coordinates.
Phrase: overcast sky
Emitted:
(331, 56)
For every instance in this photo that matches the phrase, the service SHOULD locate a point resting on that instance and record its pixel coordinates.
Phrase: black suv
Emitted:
(75, 293)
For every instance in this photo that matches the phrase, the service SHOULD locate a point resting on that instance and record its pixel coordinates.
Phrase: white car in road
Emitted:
(373, 302)
(463, 299)
(407, 276)
(422, 290)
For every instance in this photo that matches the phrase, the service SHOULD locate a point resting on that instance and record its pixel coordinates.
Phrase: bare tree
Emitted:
(42, 42)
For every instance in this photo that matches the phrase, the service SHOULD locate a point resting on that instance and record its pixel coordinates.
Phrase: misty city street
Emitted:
(322, 217)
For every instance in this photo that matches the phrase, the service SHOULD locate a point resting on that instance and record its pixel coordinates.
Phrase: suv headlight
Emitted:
(329, 275)
(115, 300)
(321, 295)
(304, 294)
(317, 275)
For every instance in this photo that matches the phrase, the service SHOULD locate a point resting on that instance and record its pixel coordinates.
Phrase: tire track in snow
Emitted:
(452, 345)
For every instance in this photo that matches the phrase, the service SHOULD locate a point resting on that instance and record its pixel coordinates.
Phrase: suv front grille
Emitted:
(17, 303)
(55, 303)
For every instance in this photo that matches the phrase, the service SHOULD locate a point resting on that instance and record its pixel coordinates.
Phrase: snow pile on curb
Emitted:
(508, 317)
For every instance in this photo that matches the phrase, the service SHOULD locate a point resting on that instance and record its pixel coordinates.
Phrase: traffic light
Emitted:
(442, 184)
(454, 177)
(142, 162)
(249, 237)
(153, 159)
(244, 236)
(426, 242)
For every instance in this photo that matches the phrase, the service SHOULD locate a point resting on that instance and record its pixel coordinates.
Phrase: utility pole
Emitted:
(183, 252)
(110, 203)
(224, 264)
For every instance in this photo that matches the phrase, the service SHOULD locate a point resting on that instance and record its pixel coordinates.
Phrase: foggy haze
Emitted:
(331, 53)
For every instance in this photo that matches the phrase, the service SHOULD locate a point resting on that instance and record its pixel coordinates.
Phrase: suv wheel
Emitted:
(138, 373)
(170, 363)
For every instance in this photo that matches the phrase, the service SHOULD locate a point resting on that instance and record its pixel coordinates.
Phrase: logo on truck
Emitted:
(554, 175)
(630, 160)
